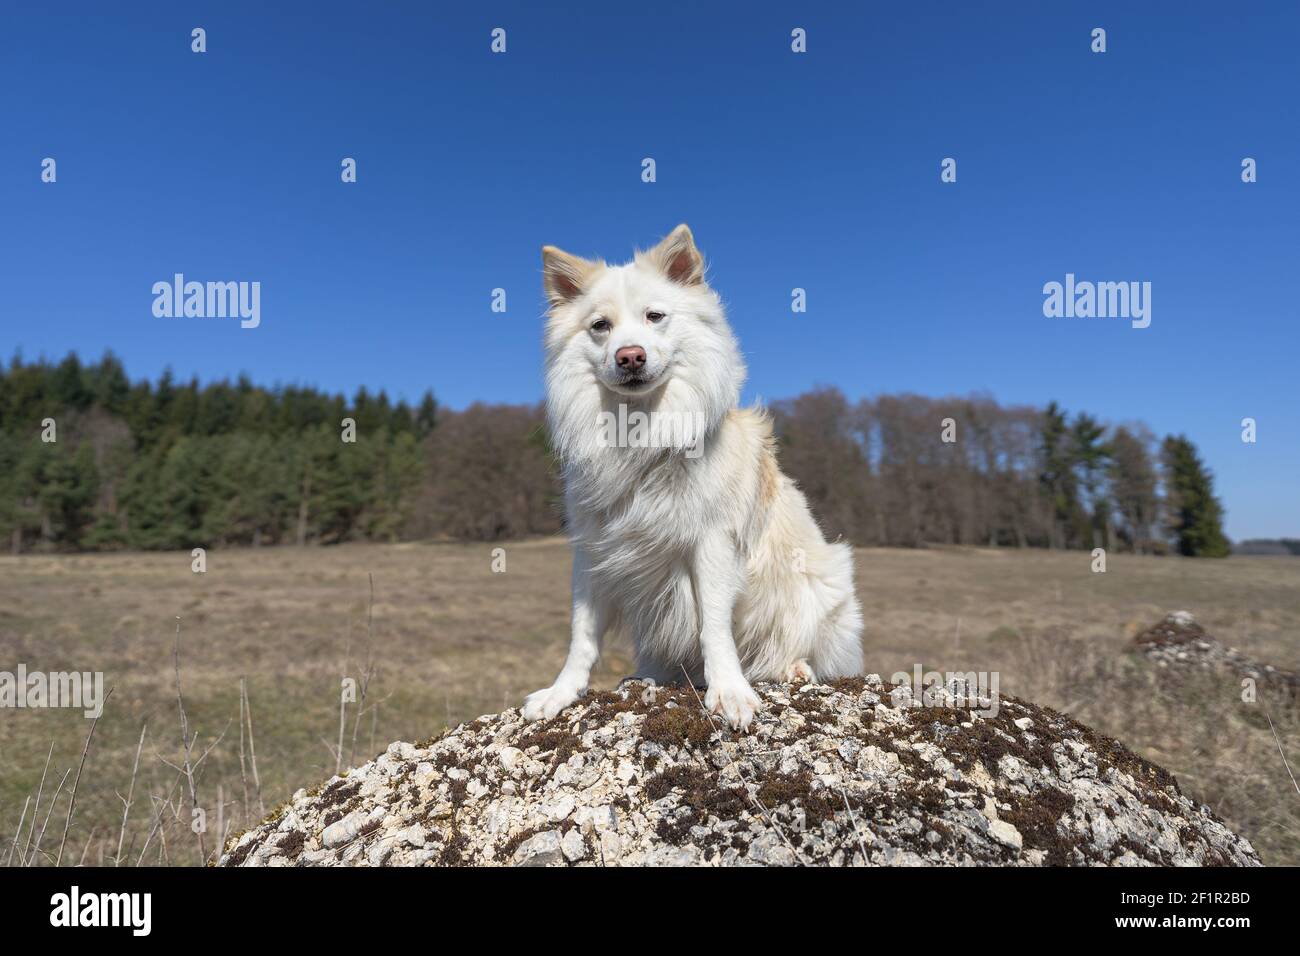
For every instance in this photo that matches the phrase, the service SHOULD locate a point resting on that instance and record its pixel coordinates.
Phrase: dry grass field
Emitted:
(449, 640)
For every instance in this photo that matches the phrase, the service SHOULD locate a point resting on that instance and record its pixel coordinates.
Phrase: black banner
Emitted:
(305, 906)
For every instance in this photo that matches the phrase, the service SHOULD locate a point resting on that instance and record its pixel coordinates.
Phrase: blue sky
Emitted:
(818, 170)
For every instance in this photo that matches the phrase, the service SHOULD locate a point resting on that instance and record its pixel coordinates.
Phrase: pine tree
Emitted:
(12, 524)
(1195, 516)
(426, 416)
(68, 484)
(1090, 454)
(70, 386)
(1057, 478)
(110, 385)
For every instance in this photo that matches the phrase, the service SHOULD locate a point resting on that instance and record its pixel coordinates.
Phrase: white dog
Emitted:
(686, 536)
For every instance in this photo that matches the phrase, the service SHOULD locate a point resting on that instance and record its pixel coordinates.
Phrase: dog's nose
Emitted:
(630, 357)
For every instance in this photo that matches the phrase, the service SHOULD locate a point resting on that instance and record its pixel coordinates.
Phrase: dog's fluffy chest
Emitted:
(640, 533)
(661, 503)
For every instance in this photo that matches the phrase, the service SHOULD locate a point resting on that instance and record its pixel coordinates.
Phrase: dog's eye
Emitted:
(654, 316)
(600, 325)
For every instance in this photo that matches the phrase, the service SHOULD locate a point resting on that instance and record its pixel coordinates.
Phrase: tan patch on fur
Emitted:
(769, 472)
(757, 422)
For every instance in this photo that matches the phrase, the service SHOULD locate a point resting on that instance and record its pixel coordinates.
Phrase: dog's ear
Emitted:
(677, 258)
(564, 276)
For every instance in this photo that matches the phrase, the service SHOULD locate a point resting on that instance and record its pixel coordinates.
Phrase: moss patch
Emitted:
(676, 726)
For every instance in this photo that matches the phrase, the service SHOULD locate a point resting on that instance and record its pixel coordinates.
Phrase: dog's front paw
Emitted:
(549, 701)
(734, 700)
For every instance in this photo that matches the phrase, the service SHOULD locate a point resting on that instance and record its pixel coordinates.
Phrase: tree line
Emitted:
(90, 460)
(906, 470)
(1269, 546)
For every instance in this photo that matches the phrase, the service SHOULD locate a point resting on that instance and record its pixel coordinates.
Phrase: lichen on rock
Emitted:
(848, 773)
